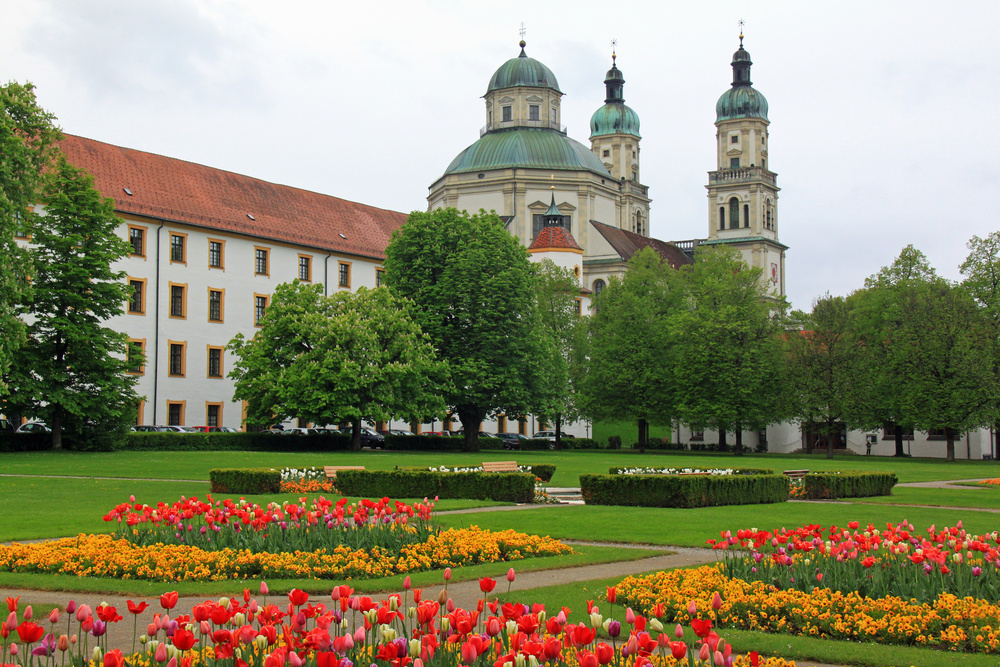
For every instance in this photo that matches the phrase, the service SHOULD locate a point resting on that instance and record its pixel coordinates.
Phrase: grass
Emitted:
(691, 527)
(583, 555)
(977, 497)
(575, 597)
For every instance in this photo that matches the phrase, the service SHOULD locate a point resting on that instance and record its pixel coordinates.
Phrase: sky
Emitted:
(883, 114)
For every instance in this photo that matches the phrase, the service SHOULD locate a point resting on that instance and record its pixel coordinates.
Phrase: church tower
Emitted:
(743, 191)
(614, 138)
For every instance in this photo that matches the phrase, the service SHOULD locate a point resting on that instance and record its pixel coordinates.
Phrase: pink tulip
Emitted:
(264, 590)
(719, 660)
(692, 608)
(70, 607)
(13, 649)
(359, 635)
(679, 632)
(28, 613)
(406, 583)
(447, 574)
(294, 660)
(704, 653)
(83, 612)
(205, 627)
(172, 662)
(510, 575)
(161, 653)
(629, 616)
(716, 601)
(11, 623)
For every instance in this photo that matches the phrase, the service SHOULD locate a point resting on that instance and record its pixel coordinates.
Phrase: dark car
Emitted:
(511, 440)
(369, 436)
(6, 425)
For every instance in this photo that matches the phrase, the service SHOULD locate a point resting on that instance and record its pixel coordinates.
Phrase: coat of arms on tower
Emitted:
(774, 273)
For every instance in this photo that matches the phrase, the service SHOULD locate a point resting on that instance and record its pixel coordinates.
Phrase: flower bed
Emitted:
(305, 480)
(616, 470)
(400, 631)
(106, 556)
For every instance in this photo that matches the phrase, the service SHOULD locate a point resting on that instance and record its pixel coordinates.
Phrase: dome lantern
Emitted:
(742, 100)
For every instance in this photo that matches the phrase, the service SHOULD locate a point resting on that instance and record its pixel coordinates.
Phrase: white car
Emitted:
(33, 427)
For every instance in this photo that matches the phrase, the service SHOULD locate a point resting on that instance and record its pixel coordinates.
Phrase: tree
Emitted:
(823, 367)
(982, 280)
(72, 369)
(27, 146)
(474, 291)
(559, 322)
(345, 357)
(631, 365)
(729, 366)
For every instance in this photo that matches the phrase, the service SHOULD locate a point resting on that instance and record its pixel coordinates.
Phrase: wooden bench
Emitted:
(331, 471)
(500, 466)
(796, 474)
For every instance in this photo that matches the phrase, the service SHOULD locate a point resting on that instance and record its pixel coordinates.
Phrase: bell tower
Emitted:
(743, 191)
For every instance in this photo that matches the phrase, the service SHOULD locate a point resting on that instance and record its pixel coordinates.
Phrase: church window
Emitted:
(734, 163)
(598, 286)
(553, 114)
(763, 163)
(638, 222)
(734, 139)
(533, 112)
(506, 114)
(746, 215)
(734, 213)
(722, 217)
(607, 153)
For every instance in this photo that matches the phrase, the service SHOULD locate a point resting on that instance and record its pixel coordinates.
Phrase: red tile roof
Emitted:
(554, 237)
(174, 190)
(628, 243)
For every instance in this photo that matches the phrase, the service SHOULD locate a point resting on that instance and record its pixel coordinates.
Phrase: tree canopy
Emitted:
(330, 359)
(474, 292)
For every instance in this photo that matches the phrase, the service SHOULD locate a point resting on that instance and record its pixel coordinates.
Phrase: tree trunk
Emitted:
(951, 445)
(558, 431)
(56, 427)
(829, 439)
(356, 434)
(471, 422)
(722, 440)
(899, 441)
(643, 434)
(738, 447)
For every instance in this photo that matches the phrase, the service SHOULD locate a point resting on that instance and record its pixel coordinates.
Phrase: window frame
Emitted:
(222, 254)
(379, 276)
(183, 358)
(183, 246)
(21, 231)
(141, 344)
(182, 405)
(218, 417)
(142, 296)
(222, 305)
(506, 113)
(341, 265)
(142, 229)
(267, 261)
(309, 268)
(170, 303)
(267, 303)
(534, 112)
(208, 361)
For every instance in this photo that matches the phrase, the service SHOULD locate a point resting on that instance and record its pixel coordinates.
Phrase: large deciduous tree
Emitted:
(27, 145)
(345, 357)
(474, 291)
(631, 361)
(72, 369)
(725, 338)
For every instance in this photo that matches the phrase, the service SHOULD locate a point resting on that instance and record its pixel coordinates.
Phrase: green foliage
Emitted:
(24, 442)
(507, 487)
(683, 490)
(982, 274)
(27, 147)
(536, 444)
(543, 471)
(350, 356)
(582, 443)
(233, 442)
(72, 371)
(423, 443)
(848, 484)
(618, 470)
(474, 291)
(245, 480)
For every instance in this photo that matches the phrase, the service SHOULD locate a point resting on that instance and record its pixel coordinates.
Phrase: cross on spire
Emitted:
(522, 31)
(741, 23)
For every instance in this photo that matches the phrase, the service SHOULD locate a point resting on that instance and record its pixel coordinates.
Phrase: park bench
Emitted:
(500, 466)
(331, 471)
(796, 474)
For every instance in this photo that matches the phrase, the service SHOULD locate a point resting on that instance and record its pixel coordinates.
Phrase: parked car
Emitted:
(302, 431)
(6, 425)
(208, 429)
(399, 431)
(369, 436)
(512, 440)
(33, 427)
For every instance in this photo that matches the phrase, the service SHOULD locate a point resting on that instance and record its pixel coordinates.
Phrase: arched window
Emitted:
(638, 222)
(746, 215)
(722, 217)
(734, 213)
(598, 286)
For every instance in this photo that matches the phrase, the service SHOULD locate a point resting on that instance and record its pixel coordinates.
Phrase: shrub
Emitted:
(683, 490)
(615, 442)
(505, 487)
(543, 471)
(245, 480)
(235, 442)
(582, 443)
(535, 444)
(424, 443)
(24, 442)
(848, 484)
(618, 470)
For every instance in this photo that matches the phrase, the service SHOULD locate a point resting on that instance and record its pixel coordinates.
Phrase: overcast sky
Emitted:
(883, 114)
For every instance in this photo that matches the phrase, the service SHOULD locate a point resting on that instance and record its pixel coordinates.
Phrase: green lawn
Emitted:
(985, 497)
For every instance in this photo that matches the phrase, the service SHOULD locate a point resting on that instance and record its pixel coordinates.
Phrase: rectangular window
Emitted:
(137, 238)
(134, 356)
(215, 304)
(579, 307)
(259, 308)
(176, 358)
(305, 268)
(216, 253)
(607, 153)
(734, 139)
(260, 262)
(506, 114)
(554, 114)
(937, 434)
(889, 432)
(734, 163)
(175, 413)
(178, 301)
(137, 301)
(213, 414)
(22, 230)
(533, 112)
(177, 242)
(214, 362)
(379, 277)
(344, 275)
(697, 436)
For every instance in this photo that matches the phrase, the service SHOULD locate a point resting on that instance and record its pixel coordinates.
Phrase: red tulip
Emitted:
(701, 627)
(754, 659)
(868, 562)
(12, 603)
(853, 525)
(114, 658)
(678, 650)
(587, 659)
(605, 653)
(612, 594)
(297, 597)
(551, 648)
(486, 585)
(137, 608)
(184, 639)
(169, 600)
(30, 632)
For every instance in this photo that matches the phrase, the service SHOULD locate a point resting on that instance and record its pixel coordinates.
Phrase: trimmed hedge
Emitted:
(423, 443)
(683, 490)
(24, 442)
(543, 471)
(245, 480)
(509, 487)
(848, 484)
(617, 470)
(235, 442)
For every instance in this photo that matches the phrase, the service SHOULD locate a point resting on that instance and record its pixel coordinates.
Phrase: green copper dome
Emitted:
(614, 118)
(526, 148)
(523, 71)
(742, 100)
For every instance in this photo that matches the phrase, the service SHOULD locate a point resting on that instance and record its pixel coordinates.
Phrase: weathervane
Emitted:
(614, 48)
(741, 23)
